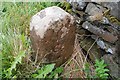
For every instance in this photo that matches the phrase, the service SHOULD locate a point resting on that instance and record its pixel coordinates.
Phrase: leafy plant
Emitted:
(101, 71)
(9, 62)
(48, 72)
(17, 60)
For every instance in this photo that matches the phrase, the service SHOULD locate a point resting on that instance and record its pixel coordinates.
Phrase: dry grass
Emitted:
(74, 67)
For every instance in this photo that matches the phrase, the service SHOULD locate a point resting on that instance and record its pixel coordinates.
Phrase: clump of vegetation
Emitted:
(100, 70)
(48, 72)
(15, 45)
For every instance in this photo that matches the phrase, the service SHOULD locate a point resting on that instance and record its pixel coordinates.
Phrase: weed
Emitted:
(48, 72)
(100, 70)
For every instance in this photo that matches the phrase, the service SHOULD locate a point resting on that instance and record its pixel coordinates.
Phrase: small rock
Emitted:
(78, 5)
(94, 52)
(101, 44)
(109, 48)
(105, 20)
(52, 33)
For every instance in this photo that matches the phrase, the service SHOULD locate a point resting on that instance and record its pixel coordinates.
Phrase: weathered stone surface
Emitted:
(112, 65)
(92, 9)
(79, 5)
(100, 32)
(95, 12)
(52, 33)
(114, 8)
(109, 48)
(96, 17)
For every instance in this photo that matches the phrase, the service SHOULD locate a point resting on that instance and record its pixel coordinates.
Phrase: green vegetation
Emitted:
(100, 70)
(15, 44)
(48, 69)
(66, 6)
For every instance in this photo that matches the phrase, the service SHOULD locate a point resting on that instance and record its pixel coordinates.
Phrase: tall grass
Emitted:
(14, 35)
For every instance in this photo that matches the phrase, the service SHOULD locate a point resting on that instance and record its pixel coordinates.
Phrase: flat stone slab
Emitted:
(100, 32)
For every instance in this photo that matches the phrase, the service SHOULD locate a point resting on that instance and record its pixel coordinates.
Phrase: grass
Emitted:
(14, 35)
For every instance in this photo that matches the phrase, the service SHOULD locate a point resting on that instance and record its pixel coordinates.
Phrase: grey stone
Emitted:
(78, 5)
(112, 65)
(95, 12)
(52, 33)
(101, 44)
(114, 8)
(92, 9)
(105, 20)
(109, 48)
(100, 32)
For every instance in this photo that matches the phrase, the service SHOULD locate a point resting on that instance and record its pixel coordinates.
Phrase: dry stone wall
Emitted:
(99, 30)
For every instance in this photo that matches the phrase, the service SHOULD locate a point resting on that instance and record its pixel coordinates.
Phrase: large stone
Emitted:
(107, 36)
(113, 66)
(92, 9)
(114, 8)
(52, 33)
(95, 12)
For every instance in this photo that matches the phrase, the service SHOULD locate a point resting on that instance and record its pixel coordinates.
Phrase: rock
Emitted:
(78, 5)
(92, 9)
(109, 48)
(96, 17)
(114, 8)
(52, 32)
(112, 65)
(95, 12)
(105, 20)
(113, 61)
(100, 32)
